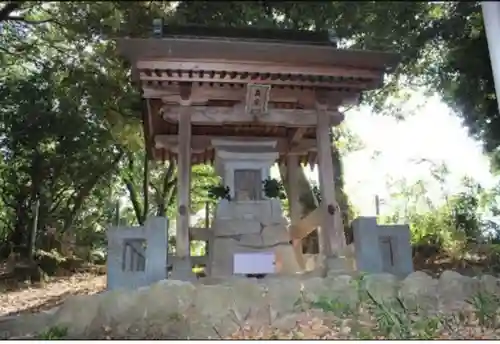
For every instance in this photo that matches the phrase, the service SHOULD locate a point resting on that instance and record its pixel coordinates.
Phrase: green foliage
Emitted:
(273, 188)
(217, 192)
(55, 332)
(71, 119)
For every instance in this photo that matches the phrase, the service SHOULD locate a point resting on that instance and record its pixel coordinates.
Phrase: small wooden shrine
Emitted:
(203, 86)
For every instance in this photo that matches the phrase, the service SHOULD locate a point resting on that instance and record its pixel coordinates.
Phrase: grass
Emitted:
(374, 319)
(52, 333)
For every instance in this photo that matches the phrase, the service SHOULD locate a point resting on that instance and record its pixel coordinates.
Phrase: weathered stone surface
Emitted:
(490, 284)
(248, 296)
(275, 234)
(16, 326)
(382, 287)
(420, 289)
(236, 226)
(181, 310)
(255, 240)
(455, 290)
(77, 314)
(213, 312)
(283, 293)
(315, 288)
(342, 288)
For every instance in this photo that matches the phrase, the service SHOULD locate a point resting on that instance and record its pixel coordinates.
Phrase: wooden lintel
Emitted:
(195, 260)
(200, 143)
(200, 94)
(200, 234)
(208, 115)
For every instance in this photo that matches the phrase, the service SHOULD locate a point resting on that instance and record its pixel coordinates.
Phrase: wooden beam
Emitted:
(183, 183)
(254, 67)
(202, 93)
(360, 86)
(333, 235)
(292, 167)
(201, 143)
(200, 234)
(194, 260)
(297, 135)
(211, 115)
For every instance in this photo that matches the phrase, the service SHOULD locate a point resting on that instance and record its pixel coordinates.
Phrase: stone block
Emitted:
(125, 248)
(254, 240)
(275, 234)
(382, 249)
(228, 227)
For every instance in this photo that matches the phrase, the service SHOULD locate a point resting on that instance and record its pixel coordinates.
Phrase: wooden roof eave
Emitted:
(136, 49)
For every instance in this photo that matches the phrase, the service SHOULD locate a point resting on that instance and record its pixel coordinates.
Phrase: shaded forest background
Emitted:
(70, 121)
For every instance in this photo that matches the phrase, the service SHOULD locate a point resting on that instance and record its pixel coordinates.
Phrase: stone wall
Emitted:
(213, 308)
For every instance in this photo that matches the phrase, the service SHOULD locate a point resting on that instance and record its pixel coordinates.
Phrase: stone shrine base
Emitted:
(214, 308)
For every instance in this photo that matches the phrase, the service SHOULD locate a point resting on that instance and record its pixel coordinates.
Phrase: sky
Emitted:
(431, 131)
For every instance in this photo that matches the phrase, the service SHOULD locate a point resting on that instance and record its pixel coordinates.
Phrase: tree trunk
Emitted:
(145, 186)
(85, 192)
(169, 184)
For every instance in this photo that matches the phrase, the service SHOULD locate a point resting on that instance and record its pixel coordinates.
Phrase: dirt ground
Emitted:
(30, 299)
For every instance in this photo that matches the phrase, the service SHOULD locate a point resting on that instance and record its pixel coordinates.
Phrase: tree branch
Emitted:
(28, 21)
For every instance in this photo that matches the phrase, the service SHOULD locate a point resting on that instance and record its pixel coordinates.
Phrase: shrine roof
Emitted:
(216, 64)
(251, 34)
(295, 47)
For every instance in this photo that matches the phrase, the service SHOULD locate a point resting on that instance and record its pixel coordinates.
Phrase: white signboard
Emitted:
(254, 263)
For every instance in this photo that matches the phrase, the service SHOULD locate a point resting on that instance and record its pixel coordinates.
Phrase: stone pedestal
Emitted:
(250, 226)
(249, 223)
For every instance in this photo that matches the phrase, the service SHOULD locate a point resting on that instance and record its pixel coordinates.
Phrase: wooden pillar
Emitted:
(292, 171)
(183, 182)
(333, 237)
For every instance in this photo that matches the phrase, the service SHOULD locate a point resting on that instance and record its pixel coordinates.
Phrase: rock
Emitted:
(382, 287)
(77, 314)
(163, 306)
(314, 288)
(490, 284)
(454, 290)
(248, 296)
(118, 309)
(343, 288)
(212, 314)
(420, 289)
(283, 294)
(24, 325)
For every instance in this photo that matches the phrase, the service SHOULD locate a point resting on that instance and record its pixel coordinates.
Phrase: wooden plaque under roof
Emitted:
(213, 66)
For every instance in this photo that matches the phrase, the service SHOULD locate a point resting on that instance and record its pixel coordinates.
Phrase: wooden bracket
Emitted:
(185, 89)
